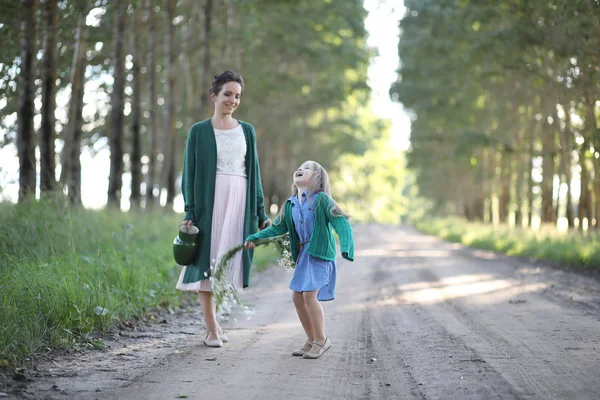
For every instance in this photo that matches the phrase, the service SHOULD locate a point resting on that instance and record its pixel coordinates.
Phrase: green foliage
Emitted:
(10, 33)
(573, 249)
(265, 256)
(305, 66)
(370, 187)
(483, 77)
(65, 273)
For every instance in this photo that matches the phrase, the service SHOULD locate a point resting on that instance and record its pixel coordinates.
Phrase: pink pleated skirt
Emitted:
(227, 231)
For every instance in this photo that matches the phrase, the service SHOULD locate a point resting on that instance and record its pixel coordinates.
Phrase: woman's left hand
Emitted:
(266, 224)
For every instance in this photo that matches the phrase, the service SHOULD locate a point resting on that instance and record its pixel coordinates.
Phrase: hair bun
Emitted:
(224, 77)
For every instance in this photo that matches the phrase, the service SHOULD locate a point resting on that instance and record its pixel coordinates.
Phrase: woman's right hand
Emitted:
(188, 222)
(249, 245)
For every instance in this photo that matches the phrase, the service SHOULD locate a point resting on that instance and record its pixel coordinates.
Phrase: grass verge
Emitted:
(573, 249)
(65, 273)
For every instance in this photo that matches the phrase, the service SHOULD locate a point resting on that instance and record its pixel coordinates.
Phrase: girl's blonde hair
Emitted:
(320, 183)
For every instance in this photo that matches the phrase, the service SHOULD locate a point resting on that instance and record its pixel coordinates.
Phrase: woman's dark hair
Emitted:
(223, 78)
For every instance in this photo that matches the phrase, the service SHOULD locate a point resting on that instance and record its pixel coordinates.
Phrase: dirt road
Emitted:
(414, 318)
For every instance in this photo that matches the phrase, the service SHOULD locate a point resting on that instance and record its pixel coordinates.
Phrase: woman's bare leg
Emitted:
(208, 310)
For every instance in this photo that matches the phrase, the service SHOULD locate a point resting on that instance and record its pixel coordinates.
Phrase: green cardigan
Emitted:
(322, 241)
(198, 188)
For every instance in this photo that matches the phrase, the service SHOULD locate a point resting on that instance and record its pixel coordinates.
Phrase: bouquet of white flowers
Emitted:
(223, 291)
(283, 247)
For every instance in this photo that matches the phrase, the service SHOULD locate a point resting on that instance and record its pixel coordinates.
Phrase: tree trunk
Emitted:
(590, 207)
(557, 206)
(478, 208)
(205, 71)
(591, 126)
(597, 184)
(520, 166)
(26, 110)
(71, 164)
(492, 165)
(505, 175)
(566, 161)
(531, 183)
(548, 149)
(47, 133)
(115, 179)
(485, 185)
(584, 199)
(189, 51)
(169, 163)
(74, 182)
(136, 149)
(569, 211)
(151, 197)
(228, 59)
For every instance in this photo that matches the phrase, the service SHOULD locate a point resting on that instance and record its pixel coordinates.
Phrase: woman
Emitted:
(223, 196)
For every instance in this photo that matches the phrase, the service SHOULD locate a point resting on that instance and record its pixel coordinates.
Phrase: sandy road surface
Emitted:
(414, 318)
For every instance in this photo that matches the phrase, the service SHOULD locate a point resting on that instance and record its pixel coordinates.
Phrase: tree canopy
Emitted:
(133, 76)
(505, 101)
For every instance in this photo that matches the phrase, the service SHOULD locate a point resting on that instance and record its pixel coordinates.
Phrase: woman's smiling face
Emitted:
(228, 99)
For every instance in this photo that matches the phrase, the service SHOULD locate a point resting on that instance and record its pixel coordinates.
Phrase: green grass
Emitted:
(65, 273)
(264, 256)
(573, 249)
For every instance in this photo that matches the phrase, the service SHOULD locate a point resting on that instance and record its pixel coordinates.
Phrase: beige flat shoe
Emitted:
(223, 335)
(317, 349)
(212, 342)
(303, 350)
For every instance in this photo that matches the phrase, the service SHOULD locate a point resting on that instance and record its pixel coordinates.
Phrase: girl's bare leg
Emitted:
(315, 311)
(303, 315)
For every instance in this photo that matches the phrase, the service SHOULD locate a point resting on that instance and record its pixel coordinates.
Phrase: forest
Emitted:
(132, 77)
(505, 103)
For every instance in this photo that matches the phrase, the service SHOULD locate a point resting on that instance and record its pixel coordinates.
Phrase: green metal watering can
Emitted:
(186, 244)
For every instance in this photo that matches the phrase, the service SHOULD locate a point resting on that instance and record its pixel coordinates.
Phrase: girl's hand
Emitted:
(188, 222)
(249, 245)
(266, 224)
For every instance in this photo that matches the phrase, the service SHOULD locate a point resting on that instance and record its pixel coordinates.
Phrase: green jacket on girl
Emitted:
(322, 241)
(198, 189)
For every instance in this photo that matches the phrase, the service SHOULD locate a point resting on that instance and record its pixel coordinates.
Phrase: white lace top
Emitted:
(231, 151)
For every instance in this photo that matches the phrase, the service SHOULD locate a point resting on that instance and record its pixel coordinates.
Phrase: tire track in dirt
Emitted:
(440, 364)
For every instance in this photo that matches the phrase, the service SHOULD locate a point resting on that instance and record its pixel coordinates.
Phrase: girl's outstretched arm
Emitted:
(277, 228)
(342, 227)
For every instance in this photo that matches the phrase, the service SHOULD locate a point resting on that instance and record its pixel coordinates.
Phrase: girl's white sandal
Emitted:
(319, 351)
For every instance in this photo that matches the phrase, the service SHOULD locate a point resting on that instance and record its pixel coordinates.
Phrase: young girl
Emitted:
(308, 216)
